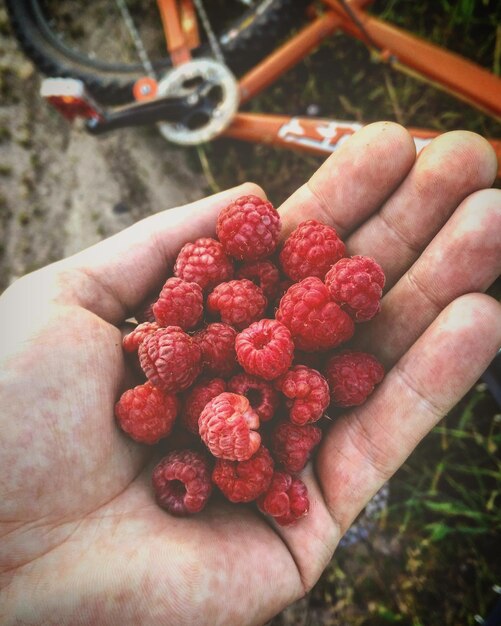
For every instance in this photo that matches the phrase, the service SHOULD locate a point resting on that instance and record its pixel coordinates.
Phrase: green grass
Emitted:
(434, 561)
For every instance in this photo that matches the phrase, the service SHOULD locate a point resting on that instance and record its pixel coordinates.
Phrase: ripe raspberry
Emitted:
(170, 359)
(307, 392)
(264, 274)
(182, 482)
(196, 398)
(227, 426)
(292, 445)
(203, 262)
(265, 349)
(352, 377)
(238, 303)
(248, 228)
(244, 481)
(131, 341)
(146, 413)
(315, 322)
(286, 499)
(261, 395)
(179, 304)
(356, 284)
(310, 250)
(217, 342)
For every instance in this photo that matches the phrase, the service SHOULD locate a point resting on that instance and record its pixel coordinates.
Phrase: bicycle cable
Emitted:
(136, 38)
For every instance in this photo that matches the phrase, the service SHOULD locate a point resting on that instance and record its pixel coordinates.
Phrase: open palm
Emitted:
(82, 540)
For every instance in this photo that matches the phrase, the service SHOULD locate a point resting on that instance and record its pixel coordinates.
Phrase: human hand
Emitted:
(82, 540)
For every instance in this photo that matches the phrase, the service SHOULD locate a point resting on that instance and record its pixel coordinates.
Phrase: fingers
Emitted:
(354, 181)
(464, 257)
(452, 167)
(363, 449)
(115, 276)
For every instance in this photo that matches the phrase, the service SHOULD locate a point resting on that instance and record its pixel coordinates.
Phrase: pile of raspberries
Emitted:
(242, 351)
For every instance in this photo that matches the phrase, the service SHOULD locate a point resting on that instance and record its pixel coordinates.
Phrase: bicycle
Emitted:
(192, 93)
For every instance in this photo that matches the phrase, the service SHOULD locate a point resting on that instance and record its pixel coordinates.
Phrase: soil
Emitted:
(62, 190)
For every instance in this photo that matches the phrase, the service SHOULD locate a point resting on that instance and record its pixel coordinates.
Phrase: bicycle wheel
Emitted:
(92, 42)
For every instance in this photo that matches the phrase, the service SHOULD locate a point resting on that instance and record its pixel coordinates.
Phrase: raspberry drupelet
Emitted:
(132, 341)
(248, 228)
(307, 394)
(314, 320)
(237, 302)
(286, 499)
(182, 482)
(217, 342)
(356, 284)
(292, 445)
(265, 349)
(170, 358)
(146, 413)
(228, 426)
(263, 398)
(244, 481)
(310, 250)
(204, 262)
(179, 304)
(195, 399)
(352, 377)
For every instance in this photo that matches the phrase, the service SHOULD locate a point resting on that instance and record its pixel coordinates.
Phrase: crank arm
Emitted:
(143, 113)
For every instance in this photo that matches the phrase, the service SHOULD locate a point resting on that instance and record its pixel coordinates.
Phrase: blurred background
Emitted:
(432, 558)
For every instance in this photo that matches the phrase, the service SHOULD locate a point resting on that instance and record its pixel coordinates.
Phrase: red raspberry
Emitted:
(264, 274)
(292, 445)
(217, 342)
(248, 228)
(261, 395)
(265, 349)
(227, 426)
(286, 499)
(131, 341)
(315, 322)
(244, 481)
(182, 482)
(307, 392)
(196, 398)
(352, 377)
(356, 284)
(238, 302)
(179, 304)
(146, 413)
(310, 250)
(170, 359)
(203, 262)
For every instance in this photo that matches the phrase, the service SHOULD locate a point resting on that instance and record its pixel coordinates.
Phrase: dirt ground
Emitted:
(62, 190)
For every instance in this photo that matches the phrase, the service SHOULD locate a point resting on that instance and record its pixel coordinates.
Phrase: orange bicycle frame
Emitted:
(446, 70)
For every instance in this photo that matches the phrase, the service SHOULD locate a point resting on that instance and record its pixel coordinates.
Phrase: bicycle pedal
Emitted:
(70, 98)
